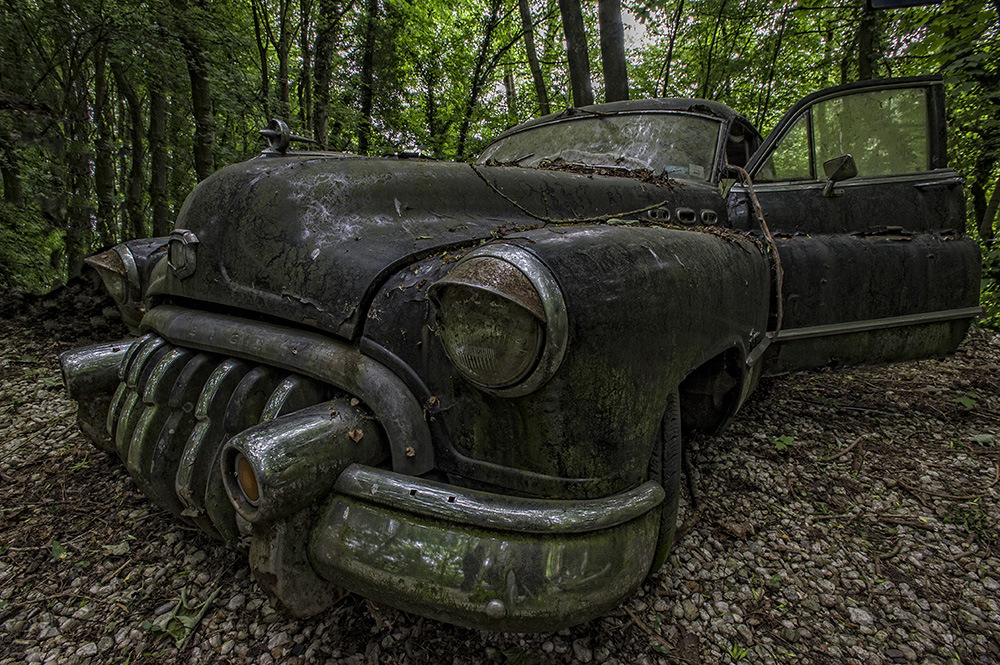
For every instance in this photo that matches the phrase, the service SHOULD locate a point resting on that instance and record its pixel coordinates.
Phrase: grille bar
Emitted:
(176, 407)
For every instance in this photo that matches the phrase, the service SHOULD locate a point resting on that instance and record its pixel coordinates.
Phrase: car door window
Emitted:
(886, 131)
(791, 158)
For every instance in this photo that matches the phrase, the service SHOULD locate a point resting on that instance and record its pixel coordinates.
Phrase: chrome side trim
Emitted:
(496, 511)
(794, 334)
(318, 356)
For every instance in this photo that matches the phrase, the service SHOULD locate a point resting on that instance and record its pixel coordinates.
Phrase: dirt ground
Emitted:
(848, 515)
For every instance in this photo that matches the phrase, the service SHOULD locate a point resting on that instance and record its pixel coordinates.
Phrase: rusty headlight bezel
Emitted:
(118, 270)
(511, 277)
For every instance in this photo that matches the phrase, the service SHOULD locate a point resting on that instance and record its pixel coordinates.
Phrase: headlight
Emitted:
(118, 271)
(502, 319)
(491, 339)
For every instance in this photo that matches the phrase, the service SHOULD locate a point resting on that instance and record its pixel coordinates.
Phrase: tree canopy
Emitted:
(111, 110)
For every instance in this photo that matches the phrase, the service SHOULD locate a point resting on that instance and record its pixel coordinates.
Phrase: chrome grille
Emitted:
(175, 408)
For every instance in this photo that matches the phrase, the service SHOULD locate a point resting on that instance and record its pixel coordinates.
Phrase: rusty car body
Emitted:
(461, 389)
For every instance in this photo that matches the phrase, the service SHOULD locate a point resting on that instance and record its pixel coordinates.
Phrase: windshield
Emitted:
(679, 144)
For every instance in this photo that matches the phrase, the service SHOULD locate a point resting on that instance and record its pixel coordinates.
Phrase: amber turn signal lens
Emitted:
(247, 479)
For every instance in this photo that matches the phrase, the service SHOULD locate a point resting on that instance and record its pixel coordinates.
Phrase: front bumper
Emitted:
(459, 555)
(480, 559)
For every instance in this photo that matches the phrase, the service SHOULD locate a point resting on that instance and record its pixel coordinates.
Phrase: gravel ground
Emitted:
(848, 516)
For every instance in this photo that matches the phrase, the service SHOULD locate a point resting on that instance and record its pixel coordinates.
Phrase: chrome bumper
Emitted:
(479, 559)
(463, 556)
(90, 374)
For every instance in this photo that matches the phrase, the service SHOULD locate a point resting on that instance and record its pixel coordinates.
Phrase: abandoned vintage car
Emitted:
(461, 389)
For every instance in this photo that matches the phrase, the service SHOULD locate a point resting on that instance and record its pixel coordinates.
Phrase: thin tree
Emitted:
(576, 52)
(304, 89)
(159, 160)
(675, 29)
(368, 77)
(328, 17)
(104, 166)
(866, 44)
(528, 27)
(265, 70)
(986, 224)
(706, 90)
(282, 45)
(479, 73)
(762, 114)
(201, 90)
(609, 16)
(134, 222)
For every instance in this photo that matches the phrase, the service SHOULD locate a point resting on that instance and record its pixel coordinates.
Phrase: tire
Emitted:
(665, 468)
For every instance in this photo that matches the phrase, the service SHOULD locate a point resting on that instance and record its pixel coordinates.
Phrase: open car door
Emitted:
(868, 222)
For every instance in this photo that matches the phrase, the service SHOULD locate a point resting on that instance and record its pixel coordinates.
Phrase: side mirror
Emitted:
(837, 169)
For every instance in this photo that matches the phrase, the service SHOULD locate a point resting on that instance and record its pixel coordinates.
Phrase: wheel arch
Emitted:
(711, 393)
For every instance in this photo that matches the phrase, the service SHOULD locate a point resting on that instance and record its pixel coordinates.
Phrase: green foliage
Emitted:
(737, 653)
(990, 295)
(969, 400)
(783, 443)
(28, 248)
(976, 520)
(183, 619)
(258, 57)
(58, 551)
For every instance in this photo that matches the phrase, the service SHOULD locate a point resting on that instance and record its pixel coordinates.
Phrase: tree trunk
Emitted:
(265, 74)
(674, 32)
(159, 161)
(434, 134)
(770, 72)
(367, 78)
(328, 17)
(135, 220)
(178, 184)
(576, 52)
(510, 94)
(326, 26)
(541, 92)
(305, 72)
(104, 166)
(986, 224)
(706, 89)
(78, 214)
(282, 47)
(204, 121)
(201, 93)
(982, 175)
(478, 74)
(866, 44)
(609, 14)
(12, 192)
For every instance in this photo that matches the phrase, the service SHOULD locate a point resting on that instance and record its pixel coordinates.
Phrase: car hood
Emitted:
(310, 239)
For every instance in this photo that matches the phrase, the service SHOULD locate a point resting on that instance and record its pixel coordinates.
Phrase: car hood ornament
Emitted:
(279, 137)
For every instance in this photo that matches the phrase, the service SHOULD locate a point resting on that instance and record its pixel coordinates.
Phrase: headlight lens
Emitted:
(502, 319)
(492, 340)
(116, 285)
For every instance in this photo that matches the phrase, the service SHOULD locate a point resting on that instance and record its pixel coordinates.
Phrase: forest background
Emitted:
(112, 110)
